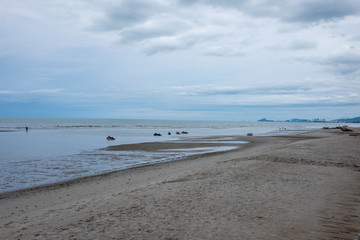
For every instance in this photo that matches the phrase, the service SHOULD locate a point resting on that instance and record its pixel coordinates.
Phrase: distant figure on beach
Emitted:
(27, 129)
(169, 133)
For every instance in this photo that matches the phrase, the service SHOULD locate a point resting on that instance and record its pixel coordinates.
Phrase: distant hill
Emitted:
(347, 120)
(265, 120)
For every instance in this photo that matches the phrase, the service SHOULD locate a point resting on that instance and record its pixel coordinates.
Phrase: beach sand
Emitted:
(304, 186)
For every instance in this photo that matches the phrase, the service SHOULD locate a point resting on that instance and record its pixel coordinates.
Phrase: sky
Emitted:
(180, 59)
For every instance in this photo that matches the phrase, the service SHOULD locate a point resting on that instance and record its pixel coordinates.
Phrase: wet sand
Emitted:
(304, 186)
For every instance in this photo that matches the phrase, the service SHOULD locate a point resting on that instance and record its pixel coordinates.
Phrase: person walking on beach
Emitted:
(27, 129)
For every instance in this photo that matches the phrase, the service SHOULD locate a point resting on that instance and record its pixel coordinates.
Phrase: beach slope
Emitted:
(304, 186)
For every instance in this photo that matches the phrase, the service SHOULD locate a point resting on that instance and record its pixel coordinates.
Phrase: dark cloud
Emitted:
(151, 26)
(134, 35)
(224, 3)
(343, 64)
(307, 11)
(320, 10)
(302, 45)
(126, 14)
(155, 24)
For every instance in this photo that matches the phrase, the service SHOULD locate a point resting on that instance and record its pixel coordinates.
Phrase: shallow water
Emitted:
(61, 149)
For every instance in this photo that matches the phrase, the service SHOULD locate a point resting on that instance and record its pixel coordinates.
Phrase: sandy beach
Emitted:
(303, 186)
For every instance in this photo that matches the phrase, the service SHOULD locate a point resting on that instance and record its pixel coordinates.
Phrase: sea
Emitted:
(59, 149)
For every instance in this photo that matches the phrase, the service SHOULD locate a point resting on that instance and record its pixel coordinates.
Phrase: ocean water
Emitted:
(54, 150)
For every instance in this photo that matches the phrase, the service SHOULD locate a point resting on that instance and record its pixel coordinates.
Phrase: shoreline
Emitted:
(180, 145)
(304, 185)
(145, 146)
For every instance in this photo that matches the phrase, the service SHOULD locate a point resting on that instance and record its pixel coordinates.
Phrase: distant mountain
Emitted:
(347, 120)
(265, 120)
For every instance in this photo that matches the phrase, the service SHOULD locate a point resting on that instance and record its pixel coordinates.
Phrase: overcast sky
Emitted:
(180, 59)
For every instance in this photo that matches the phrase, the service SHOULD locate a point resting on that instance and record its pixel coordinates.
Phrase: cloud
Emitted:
(221, 51)
(168, 26)
(4, 92)
(126, 13)
(41, 28)
(306, 11)
(343, 64)
(56, 90)
(37, 95)
(302, 45)
(319, 10)
(152, 26)
(292, 94)
(231, 90)
(294, 45)
(165, 44)
(218, 28)
(159, 26)
(118, 53)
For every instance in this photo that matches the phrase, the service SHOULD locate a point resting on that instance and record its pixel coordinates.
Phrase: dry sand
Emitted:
(305, 186)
